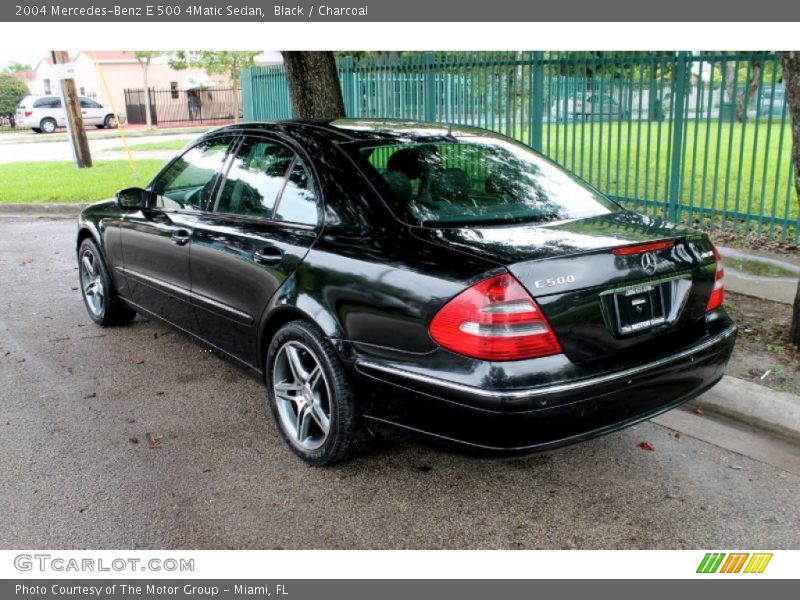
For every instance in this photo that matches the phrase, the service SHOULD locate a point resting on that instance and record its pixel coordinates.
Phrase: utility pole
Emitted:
(72, 109)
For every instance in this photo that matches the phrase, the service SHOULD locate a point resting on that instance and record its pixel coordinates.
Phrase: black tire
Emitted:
(344, 434)
(48, 125)
(110, 122)
(112, 310)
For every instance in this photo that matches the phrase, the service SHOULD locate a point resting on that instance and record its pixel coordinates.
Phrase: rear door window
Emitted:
(298, 202)
(255, 179)
(49, 102)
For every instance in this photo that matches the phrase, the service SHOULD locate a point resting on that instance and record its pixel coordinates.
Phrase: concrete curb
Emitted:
(753, 404)
(55, 209)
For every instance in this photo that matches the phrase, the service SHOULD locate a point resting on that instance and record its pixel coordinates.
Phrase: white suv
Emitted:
(45, 114)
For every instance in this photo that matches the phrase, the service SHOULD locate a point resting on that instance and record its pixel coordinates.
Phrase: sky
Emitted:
(31, 57)
(26, 56)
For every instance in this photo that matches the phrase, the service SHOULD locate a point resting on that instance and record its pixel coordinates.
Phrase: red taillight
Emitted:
(28, 113)
(718, 294)
(495, 319)
(639, 248)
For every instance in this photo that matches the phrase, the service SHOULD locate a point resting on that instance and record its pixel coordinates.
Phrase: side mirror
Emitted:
(132, 198)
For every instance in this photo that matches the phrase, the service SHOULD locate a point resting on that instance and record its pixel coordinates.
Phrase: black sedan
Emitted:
(443, 280)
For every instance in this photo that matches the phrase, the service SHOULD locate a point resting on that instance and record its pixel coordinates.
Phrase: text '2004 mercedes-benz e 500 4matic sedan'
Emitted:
(446, 281)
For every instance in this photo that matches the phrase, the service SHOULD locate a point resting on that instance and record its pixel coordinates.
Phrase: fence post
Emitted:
(430, 87)
(680, 73)
(537, 102)
(247, 93)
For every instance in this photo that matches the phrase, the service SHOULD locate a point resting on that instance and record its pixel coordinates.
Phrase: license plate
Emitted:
(639, 309)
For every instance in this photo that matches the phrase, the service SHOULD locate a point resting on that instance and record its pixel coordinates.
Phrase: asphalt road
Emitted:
(76, 469)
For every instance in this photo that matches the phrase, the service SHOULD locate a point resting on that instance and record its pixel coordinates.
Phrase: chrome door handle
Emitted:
(180, 237)
(268, 256)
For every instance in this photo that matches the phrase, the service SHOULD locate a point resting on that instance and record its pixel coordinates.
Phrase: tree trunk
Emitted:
(314, 85)
(790, 63)
(744, 96)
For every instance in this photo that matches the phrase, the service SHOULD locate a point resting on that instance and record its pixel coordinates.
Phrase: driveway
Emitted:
(80, 404)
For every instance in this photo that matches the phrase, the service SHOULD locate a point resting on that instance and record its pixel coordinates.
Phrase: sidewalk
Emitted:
(767, 277)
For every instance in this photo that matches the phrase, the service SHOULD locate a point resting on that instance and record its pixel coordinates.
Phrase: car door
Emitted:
(263, 223)
(91, 111)
(156, 241)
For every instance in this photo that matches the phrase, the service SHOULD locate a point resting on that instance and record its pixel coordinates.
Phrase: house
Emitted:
(178, 95)
(121, 71)
(27, 77)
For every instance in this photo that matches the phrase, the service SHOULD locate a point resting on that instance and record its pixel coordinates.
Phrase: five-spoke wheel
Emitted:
(99, 295)
(309, 395)
(92, 284)
(302, 395)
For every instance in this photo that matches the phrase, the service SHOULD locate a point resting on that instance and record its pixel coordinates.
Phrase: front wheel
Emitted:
(99, 296)
(110, 122)
(309, 396)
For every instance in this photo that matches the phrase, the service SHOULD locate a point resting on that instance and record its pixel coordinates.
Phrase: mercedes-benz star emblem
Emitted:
(649, 262)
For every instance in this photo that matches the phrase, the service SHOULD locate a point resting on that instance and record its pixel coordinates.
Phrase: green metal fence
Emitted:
(701, 138)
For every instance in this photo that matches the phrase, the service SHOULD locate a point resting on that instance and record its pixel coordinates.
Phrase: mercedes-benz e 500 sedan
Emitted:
(446, 281)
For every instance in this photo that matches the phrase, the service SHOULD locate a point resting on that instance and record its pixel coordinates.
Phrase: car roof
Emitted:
(362, 130)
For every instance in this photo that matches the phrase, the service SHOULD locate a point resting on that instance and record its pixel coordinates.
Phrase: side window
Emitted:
(189, 181)
(255, 178)
(298, 203)
(49, 102)
(85, 103)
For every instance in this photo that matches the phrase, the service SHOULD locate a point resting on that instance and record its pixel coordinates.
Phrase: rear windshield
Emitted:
(477, 180)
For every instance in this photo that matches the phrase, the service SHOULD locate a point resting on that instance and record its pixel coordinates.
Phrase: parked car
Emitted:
(587, 107)
(773, 101)
(446, 281)
(45, 114)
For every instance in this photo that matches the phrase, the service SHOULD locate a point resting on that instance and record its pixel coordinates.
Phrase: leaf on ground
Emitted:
(646, 446)
(154, 441)
(699, 412)
(133, 439)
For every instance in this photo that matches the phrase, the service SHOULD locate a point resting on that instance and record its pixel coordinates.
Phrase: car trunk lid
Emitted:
(616, 288)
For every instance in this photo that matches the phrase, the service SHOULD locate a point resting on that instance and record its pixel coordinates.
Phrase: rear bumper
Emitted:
(545, 416)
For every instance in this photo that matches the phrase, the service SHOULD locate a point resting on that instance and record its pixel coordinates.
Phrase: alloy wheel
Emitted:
(302, 395)
(92, 284)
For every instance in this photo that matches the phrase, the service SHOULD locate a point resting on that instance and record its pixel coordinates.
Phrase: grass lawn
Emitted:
(57, 181)
(160, 145)
(726, 166)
